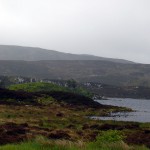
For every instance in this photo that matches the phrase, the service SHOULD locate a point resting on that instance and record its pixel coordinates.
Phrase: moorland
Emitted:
(45, 116)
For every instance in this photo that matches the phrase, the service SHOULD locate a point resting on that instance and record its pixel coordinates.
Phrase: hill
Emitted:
(44, 93)
(49, 87)
(37, 87)
(80, 70)
(36, 54)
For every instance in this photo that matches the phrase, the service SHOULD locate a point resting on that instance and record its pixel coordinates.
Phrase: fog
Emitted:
(108, 28)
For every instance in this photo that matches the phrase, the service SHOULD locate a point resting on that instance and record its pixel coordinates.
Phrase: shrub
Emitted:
(110, 136)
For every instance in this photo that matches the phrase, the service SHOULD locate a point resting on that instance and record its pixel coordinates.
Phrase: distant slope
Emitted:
(36, 54)
(47, 87)
(81, 70)
(38, 87)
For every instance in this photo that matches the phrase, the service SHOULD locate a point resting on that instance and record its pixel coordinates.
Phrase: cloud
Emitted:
(110, 28)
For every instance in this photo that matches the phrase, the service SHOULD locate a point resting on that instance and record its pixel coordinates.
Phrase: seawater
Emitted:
(140, 107)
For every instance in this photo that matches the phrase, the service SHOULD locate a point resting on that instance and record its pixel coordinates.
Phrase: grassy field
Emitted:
(44, 144)
(52, 124)
(66, 128)
(38, 86)
(41, 86)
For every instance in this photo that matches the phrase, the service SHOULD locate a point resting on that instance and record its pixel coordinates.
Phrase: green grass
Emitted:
(37, 86)
(108, 140)
(46, 87)
(31, 146)
(42, 143)
(64, 145)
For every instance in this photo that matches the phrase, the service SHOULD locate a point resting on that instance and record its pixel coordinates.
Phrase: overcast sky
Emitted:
(108, 28)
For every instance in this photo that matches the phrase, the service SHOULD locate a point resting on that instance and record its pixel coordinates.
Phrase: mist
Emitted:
(107, 28)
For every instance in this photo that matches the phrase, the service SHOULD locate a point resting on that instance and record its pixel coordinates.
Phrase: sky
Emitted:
(107, 28)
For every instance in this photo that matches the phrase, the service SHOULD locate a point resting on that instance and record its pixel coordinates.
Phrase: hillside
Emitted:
(81, 70)
(49, 87)
(44, 93)
(36, 54)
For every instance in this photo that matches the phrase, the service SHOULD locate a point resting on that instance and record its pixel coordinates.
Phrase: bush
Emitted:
(110, 136)
(109, 140)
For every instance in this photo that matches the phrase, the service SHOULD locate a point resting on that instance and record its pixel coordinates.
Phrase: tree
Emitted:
(72, 83)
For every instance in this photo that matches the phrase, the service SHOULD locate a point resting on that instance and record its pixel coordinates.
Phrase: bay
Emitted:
(140, 107)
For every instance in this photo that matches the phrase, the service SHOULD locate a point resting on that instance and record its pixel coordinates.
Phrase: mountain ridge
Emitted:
(80, 70)
(12, 52)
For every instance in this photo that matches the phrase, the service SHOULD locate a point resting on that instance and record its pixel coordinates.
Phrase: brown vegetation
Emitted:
(19, 123)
